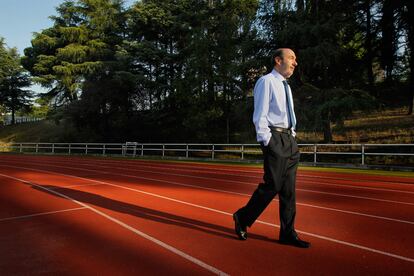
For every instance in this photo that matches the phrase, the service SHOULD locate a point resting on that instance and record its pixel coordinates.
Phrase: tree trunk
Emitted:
(326, 126)
(411, 86)
(410, 31)
(327, 132)
(368, 43)
(388, 47)
(410, 109)
(228, 130)
(300, 5)
(13, 120)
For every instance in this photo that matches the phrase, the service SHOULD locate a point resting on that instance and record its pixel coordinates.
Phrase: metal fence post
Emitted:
(69, 149)
(363, 154)
(314, 153)
(103, 149)
(163, 150)
(86, 149)
(21, 148)
(212, 152)
(53, 148)
(37, 148)
(186, 151)
(242, 151)
(142, 149)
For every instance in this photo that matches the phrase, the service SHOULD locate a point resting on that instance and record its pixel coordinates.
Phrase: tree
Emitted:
(389, 37)
(407, 13)
(81, 43)
(165, 65)
(194, 59)
(77, 59)
(329, 42)
(325, 107)
(13, 80)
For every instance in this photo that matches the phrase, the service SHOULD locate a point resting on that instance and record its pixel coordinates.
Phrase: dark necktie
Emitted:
(289, 103)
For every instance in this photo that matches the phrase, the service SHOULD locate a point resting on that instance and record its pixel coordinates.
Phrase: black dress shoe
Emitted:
(295, 241)
(240, 229)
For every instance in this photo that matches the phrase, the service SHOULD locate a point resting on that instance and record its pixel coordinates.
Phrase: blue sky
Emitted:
(19, 19)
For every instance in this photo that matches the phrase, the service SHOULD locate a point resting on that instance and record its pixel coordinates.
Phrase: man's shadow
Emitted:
(145, 213)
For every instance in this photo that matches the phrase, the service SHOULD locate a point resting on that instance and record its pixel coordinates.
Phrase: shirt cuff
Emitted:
(266, 143)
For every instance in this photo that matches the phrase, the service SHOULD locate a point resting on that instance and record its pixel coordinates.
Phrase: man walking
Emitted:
(275, 123)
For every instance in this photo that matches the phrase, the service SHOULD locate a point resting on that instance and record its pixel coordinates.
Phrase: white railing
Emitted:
(359, 154)
(7, 120)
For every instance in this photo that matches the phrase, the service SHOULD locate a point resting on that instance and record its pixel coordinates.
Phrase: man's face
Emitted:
(286, 64)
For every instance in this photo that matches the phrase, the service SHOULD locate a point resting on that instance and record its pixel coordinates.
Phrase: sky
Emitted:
(19, 19)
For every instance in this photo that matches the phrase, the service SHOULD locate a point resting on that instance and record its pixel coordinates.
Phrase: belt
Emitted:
(281, 130)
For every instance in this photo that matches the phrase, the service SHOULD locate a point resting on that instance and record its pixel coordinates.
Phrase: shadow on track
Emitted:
(145, 213)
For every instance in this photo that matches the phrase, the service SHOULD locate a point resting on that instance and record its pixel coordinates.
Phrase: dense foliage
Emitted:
(183, 71)
(14, 82)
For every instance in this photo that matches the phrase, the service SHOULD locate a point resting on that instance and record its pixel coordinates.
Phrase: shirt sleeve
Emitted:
(261, 110)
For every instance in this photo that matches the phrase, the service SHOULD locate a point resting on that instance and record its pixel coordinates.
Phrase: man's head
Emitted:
(284, 61)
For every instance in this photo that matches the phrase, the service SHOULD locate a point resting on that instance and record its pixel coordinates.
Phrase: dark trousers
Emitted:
(281, 158)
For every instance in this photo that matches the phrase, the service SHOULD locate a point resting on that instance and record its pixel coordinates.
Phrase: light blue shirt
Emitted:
(270, 106)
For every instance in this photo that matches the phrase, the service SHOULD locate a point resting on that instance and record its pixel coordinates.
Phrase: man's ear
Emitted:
(278, 60)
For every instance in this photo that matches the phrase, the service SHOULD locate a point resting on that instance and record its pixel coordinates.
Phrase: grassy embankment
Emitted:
(41, 131)
(391, 126)
(388, 126)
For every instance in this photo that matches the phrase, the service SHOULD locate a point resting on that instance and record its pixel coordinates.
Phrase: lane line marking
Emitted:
(233, 181)
(271, 224)
(360, 197)
(128, 227)
(276, 200)
(300, 175)
(214, 170)
(40, 214)
(304, 181)
(214, 190)
(226, 213)
(236, 168)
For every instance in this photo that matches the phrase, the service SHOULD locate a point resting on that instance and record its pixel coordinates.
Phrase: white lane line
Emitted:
(303, 181)
(40, 214)
(196, 167)
(230, 214)
(256, 177)
(244, 176)
(411, 260)
(128, 227)
(359, 197)
(233, 181)
(210, 189)
(255, 184)
(276, 200)
(307, 181)
(218, 170)
(406, 179)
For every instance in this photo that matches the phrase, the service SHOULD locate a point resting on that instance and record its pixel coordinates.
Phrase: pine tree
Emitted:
(13, 80)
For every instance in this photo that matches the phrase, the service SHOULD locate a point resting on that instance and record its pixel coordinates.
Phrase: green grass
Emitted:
(385, 126)
(41, 131)
(360, 171)
(391, 126)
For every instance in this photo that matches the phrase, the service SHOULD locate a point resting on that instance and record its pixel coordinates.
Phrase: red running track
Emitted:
(82, 216)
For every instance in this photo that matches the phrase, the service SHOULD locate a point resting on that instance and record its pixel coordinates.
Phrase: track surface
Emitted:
(83, 216)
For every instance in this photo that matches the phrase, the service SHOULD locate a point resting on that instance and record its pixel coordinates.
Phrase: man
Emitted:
(275, 123)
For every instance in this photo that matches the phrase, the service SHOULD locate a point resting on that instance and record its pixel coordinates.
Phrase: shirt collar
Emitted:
(277, 75)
